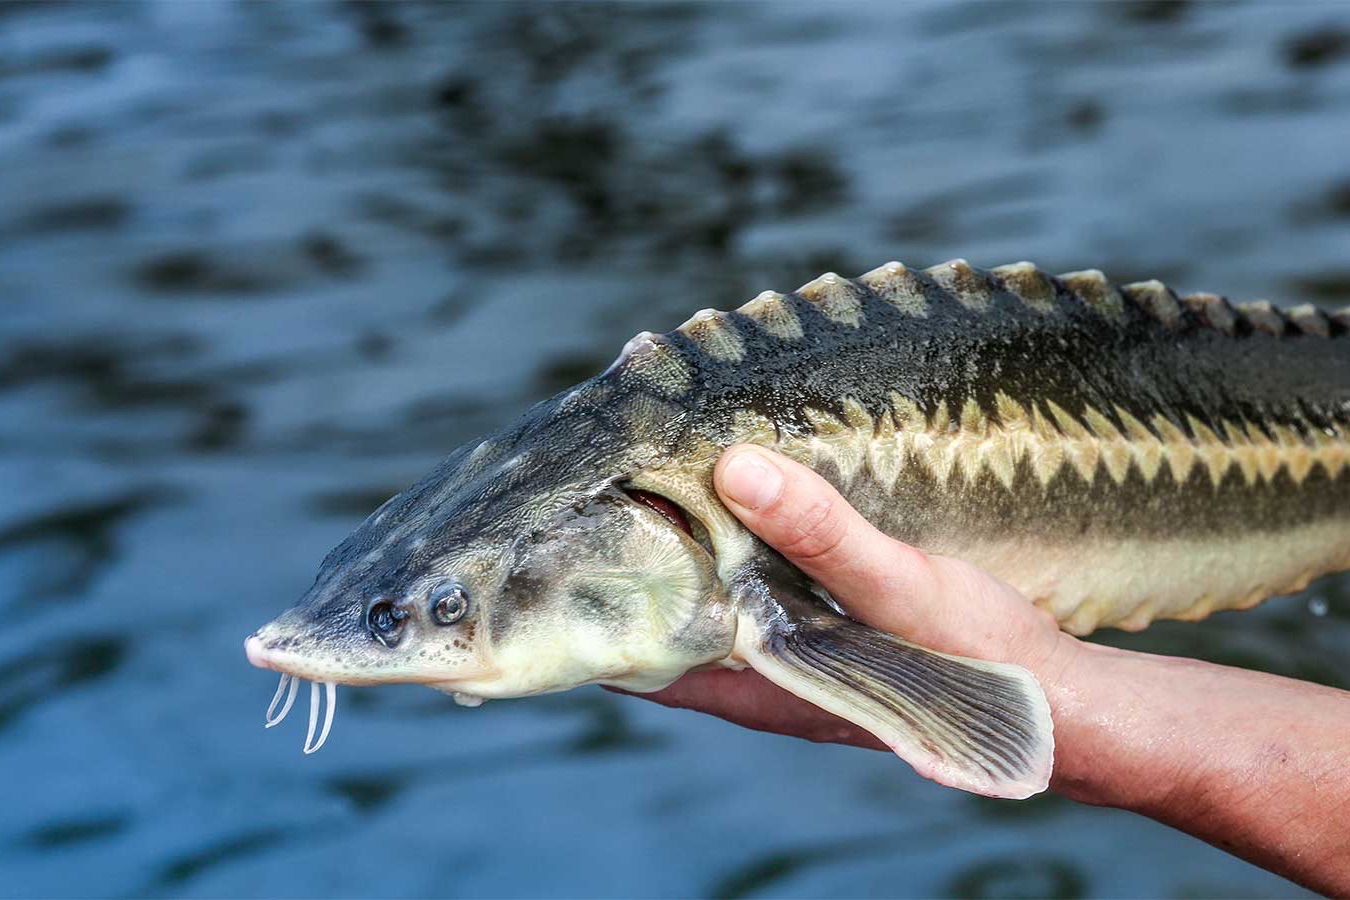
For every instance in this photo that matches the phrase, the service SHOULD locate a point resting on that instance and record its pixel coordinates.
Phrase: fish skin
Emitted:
(1030, 410)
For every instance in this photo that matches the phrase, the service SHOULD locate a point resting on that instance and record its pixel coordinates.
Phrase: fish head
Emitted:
(506, 576)
(392, 603)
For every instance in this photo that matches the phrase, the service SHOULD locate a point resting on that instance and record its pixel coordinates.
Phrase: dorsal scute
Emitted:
(1156, 300)
(1093, 288)
(715, 335)
(899, 286)
(1027, 283)
(837, 298)
(1309, 320)
(771, 311)
(722, 336)
(972, 287)
(1263, 316)
(652, 361)
(1213, 310)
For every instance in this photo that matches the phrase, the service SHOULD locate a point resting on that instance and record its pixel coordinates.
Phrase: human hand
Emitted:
(937, 602)
(1250, 762)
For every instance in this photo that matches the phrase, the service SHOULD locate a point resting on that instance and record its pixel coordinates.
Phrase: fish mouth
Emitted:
(308, 669)
(259, 655)
(296, 664)
(295, 668)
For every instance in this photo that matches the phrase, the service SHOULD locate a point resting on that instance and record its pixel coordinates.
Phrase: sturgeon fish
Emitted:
(1117, 453)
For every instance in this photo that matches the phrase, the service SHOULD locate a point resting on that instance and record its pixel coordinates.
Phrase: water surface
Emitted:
(260, 266)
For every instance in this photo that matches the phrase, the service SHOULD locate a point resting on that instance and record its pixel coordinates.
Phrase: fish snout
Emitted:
(257, 653)
(274, 648)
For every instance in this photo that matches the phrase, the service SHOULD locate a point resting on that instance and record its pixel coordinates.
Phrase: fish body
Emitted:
(1119, 454)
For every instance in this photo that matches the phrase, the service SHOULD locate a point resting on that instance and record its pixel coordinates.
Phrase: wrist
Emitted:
(1110, 728)
(1070, 687)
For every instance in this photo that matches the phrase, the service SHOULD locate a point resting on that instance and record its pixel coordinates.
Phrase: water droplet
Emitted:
(1317, 606)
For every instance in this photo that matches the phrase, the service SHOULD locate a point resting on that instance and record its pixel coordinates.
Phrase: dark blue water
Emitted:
(260, 266)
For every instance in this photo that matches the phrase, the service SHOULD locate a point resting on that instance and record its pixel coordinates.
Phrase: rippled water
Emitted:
(260, 266)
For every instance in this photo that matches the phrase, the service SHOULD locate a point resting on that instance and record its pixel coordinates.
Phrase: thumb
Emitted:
(803, 517)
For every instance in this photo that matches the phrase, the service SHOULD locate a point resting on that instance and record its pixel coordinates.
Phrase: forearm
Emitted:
(1255, 764)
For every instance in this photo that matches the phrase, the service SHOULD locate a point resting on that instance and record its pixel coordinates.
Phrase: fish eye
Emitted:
(384, 620)
(449, 602)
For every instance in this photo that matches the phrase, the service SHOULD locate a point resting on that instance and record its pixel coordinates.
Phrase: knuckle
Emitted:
(912, 573)
(914, 560)
(815, 533)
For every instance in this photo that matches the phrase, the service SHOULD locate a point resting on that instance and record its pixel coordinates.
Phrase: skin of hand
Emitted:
(1253, 763)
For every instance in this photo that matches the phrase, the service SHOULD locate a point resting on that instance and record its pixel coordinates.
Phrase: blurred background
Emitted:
(261, 265)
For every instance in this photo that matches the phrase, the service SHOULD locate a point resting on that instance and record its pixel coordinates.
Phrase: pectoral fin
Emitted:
(980, 726)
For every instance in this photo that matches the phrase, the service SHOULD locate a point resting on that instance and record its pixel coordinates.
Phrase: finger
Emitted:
(803, 517)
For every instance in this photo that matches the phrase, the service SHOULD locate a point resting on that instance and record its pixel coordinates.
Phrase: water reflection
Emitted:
(1048, 879)
(262, 265)
(43, 675)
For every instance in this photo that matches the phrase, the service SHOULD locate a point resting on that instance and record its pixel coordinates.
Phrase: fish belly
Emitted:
(1096, 542)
